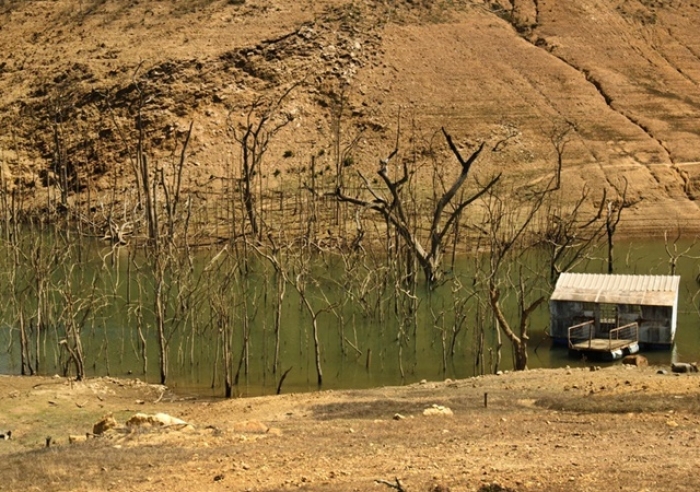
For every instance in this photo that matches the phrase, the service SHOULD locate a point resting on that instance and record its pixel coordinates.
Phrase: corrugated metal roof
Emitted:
(642, 290)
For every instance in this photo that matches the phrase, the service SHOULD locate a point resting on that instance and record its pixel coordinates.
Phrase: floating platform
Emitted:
(604, 349)
(620, 341)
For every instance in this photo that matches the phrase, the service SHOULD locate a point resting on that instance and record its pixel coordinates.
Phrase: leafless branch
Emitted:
(397, 485)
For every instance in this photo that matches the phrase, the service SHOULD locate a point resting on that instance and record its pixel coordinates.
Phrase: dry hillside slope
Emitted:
(623, 76)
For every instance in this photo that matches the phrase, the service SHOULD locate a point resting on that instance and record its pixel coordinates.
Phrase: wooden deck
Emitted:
(602, 345)
(620, 341)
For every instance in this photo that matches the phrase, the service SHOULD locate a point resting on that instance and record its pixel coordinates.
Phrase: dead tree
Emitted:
(520, 337)
(263, 121)
(567, 239)
(613, 215)
(167, 264)
(74, 311)
(297, 275)
(390, 205)
(506, 228)
(675, 255)
(567, 234)
(560, 138)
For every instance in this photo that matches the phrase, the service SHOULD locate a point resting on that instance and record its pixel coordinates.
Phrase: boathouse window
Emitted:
(608, 314)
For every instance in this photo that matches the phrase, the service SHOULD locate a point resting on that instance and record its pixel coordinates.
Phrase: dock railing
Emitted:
(582, 332)
(626, 332)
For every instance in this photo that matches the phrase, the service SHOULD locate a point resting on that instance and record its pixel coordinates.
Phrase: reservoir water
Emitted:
(369, 333)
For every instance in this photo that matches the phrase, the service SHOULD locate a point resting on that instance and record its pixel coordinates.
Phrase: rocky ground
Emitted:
(619, 428)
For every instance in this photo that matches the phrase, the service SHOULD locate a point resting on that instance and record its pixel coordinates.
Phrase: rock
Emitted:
(494, 487)
(329, 52)
(398, 416)
(662, 371)
(76, 439)
(158, 419)
(251, 427)
(635, 360)
(438, 410)
(439, 487)
(684, 367)
(108, 422)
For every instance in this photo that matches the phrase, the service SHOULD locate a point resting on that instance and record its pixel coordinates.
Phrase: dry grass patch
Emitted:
(628, 403)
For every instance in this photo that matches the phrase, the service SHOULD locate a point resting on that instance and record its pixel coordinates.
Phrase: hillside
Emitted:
(617, 82)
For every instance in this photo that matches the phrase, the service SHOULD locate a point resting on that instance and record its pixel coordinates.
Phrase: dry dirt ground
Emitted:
(622, 76)
(619, 428)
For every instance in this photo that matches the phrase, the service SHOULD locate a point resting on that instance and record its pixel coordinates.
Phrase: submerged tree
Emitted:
(169, 264)
(264, 119)
(568, 235)
(390, 204)
(613, 215)
(506, 228)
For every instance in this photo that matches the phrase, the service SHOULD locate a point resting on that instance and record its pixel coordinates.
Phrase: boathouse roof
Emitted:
(640, 290)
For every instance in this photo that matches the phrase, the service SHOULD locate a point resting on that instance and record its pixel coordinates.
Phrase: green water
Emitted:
(383, 339)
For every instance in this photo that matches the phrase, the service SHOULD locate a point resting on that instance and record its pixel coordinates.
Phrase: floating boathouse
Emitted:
(608, 316)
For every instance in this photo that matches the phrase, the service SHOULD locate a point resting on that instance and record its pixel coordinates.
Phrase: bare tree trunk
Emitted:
(278, 319)
(143, 344)
(612, 219)
(137, 313)
(226, 341)
(499, 348)
(159, 312)
(59, 160)
(18, 304)
(301, 289)
(39, 322)
(243, 361)
(317, 353)
(263, 122)
(73, 341)
(611, 248)
(479, 357)
(24, 346)
(519, 341)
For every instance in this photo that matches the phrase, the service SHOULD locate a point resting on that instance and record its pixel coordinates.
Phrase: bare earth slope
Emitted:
(624, 75)
(621, 428)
